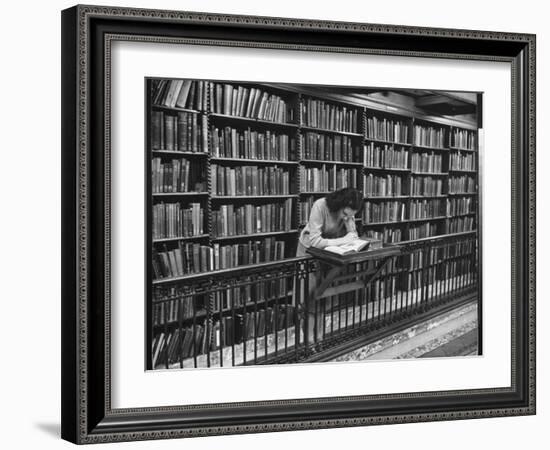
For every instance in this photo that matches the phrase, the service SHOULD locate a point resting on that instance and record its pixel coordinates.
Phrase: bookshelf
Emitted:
(236, 167)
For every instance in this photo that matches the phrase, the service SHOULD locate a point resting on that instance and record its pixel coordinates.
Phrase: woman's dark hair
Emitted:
(344, 198)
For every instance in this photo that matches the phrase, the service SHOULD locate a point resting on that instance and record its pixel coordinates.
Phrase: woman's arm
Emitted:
(350, 226)
(315, 225)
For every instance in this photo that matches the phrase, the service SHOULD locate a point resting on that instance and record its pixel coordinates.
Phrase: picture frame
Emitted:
(88, 33)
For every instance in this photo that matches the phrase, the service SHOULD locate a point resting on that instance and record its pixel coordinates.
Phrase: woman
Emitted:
(331, 222)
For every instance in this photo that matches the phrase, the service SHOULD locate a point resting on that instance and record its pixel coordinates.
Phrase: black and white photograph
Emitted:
(303, 223)
(274, 223)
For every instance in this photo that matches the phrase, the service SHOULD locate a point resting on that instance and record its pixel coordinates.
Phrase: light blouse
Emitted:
(323, 226)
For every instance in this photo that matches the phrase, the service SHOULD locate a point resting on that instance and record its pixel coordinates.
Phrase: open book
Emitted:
(351, 247)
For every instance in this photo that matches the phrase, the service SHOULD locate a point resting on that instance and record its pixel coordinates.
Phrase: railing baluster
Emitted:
(469, 265)
(401, 283)
(265, 297)
(448, 272)
(315, 320)
(384, 283)
(255, 322)
(210, 322)
(455, 273)
(408, 276)
(354, 297)
(287, 315)
(347, 297)
(166, 340)
(277, 293)
(299, 301)
(324, 319)
(233, 327)
(331, 310)
(460, 271)
(438, 272)
(180, 330)
(194, 337)
(423, 281)
(394, 301)
(361, 295)
(221, 339)
(433, 282)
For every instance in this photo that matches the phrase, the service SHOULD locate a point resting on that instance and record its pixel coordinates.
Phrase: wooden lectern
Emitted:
(337, 268)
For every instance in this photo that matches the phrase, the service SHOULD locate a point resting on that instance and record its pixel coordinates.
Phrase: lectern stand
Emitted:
(337, 268)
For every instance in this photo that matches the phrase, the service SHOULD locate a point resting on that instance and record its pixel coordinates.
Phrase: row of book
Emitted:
(428, 136)
(382, 186)
(304, 208)
(463, 184)
(177, 175)
(190, 258)
(386, 157)
(434, 275)
(173, 220)
(320, 114)
(250, 252)
(458, 249)
(387, 130)
(460, 224)
(426, 162)
(175, 345)
(256, 103)
(231, 220)
(425, 257)
(464, 139)
(452, 271)
(250, 294)
(426, 186)
(329, 178)
(255, 324)
(179, 309)
(460, 205)
(229, 142)
(186, 94)
(182, 132)
(423, 231)
(418, 209)
(383, 212)
(331, 148)
(186, 258)
(417, 279)
(249, 180)
(384, 288)
(249, 102)
(173, 305)
(176, 305)
(460, 161)
(424, 209)
(387, 235)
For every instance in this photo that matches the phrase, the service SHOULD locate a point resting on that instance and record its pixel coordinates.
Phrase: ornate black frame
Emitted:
(87, 416)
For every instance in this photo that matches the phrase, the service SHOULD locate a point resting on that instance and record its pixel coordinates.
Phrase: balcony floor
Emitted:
(453, 333)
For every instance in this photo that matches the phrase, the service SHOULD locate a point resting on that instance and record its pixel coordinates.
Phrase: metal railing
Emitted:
(264, 314)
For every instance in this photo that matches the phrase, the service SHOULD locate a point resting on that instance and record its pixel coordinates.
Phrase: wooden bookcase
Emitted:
(419, 176)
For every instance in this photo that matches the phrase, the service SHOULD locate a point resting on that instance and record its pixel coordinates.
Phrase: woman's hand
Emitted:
(350, 237)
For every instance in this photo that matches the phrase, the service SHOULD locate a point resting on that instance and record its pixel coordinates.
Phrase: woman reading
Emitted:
(331, 223)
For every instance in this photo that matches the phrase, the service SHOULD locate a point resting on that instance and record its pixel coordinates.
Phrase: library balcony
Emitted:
(304, 310)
